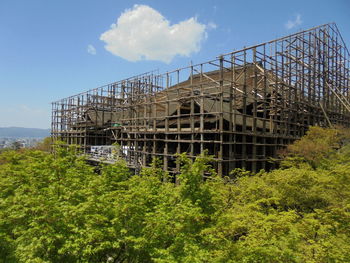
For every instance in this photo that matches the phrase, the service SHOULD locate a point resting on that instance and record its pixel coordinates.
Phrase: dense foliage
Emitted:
(56, 208)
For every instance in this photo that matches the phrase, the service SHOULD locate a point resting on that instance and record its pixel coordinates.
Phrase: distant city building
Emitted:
(19, 142)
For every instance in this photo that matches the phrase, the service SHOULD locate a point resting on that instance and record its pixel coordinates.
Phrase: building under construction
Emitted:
(242, 106)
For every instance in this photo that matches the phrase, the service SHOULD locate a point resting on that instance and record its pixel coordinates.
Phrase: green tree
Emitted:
(315, 147)
(44, 145)
(58, 208)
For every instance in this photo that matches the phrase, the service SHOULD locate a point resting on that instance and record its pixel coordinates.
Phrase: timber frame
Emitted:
(242, 106)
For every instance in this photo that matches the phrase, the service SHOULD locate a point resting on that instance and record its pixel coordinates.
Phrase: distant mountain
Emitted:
(19, 132)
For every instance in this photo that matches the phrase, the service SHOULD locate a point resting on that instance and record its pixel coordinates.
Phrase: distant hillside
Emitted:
(19, 132)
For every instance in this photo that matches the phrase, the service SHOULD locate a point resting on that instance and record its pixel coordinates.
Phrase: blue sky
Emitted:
(53, 49)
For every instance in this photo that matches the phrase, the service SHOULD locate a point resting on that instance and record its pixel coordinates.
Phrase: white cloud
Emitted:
(91, 49)
(142, 33)
(211, 25)
(294, 23)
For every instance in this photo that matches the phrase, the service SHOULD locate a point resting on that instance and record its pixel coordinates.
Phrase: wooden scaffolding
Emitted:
(242, 106)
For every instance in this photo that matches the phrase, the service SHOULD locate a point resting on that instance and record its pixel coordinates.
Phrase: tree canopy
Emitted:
(57, 208)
